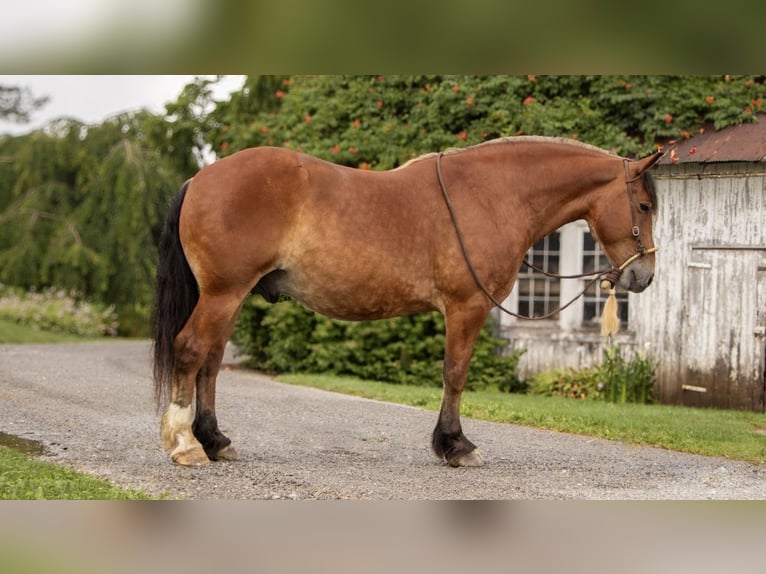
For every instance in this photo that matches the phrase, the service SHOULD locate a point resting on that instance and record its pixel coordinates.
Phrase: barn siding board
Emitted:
(702, 309)
(550, 347)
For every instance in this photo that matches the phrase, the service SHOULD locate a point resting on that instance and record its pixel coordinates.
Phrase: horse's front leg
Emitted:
(464, 324)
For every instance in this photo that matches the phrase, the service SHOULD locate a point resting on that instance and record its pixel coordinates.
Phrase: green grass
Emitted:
(11, 332)
(24, 478)
(711, 432)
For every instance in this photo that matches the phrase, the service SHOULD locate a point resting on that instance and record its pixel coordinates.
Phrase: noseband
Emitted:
(610, 276)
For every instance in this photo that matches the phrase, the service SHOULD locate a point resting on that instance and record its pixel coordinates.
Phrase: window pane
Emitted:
(594, 299)
(539, 294)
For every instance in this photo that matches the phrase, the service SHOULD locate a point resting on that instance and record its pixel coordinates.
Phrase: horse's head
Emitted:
(622, 222)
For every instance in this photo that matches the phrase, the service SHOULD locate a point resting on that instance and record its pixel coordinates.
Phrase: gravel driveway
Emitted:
(91, 405)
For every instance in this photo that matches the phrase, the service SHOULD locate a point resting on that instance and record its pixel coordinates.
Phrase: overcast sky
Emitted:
(93, 98)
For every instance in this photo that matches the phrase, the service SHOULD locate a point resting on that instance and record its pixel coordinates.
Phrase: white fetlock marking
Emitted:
(176, 430)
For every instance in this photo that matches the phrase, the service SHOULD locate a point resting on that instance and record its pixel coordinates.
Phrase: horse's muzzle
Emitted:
(636, 280)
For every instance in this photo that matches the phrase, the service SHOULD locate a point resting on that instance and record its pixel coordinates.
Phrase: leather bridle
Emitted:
(613, 275)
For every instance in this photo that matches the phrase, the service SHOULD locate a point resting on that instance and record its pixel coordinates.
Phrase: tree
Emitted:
(83, 210)
(179, 134)
(382, 121)
(233, 122)
(17, 103)
(37, 198)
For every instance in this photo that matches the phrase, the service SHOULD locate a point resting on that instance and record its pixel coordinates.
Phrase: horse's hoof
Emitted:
(192, 457)
(227, 453)
(472, 459)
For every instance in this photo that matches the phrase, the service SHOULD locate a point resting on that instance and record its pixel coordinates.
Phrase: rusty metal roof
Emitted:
(745, 142)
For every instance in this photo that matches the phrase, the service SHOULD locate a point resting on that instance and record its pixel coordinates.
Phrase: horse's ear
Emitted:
(641, 165)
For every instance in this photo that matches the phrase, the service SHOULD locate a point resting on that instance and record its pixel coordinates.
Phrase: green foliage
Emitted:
(627, 381)
(14, 333)
(81, 209)
(287, 338)
(382, 121)
(16, 103)
(181, 135)
(57, 311)
(568, 383)
(615, 380)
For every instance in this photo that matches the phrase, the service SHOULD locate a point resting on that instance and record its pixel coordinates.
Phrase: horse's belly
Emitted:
(352, 298)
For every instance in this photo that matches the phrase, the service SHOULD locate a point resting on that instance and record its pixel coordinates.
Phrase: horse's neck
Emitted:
(555, 206)
(543, 190)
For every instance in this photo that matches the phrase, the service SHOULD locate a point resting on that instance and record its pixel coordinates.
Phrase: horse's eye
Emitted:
(645, 207)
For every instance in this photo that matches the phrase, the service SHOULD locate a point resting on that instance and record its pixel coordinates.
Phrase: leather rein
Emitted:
(610, 276)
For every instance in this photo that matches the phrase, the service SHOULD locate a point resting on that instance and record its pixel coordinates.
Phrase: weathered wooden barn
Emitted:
(703, 320)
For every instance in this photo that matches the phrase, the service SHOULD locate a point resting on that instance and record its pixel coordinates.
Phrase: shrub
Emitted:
(58, 311)
(568, 383)
(627, 381)
(614, 380)
(288, 338)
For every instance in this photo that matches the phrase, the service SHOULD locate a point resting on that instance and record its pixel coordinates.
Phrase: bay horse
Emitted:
(360, 245)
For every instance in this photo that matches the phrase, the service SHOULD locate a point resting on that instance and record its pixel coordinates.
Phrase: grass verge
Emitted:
(11, 332)
(23, 478)
(711, 432)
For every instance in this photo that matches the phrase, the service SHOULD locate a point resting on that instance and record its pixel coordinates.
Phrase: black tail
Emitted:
(175, 297)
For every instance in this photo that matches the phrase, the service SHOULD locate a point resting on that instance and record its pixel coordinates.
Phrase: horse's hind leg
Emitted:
(205, 427)
(449, 442)
(208, 323)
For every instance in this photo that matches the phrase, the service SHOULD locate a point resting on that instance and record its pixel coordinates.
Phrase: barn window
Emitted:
(594, 298)
(538, 295)
(569, 251)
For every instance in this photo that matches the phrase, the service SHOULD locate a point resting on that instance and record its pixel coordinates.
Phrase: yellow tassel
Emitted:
(610, 322)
